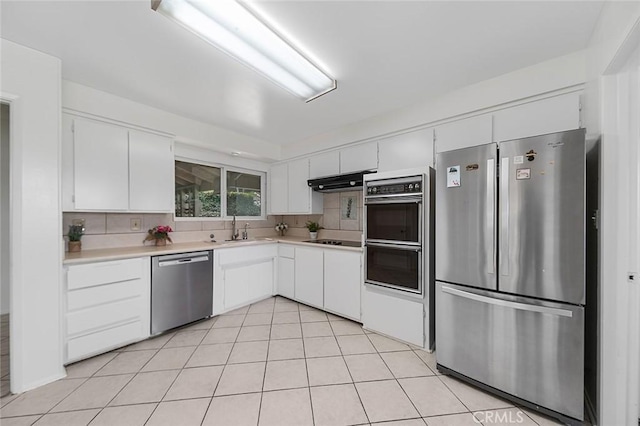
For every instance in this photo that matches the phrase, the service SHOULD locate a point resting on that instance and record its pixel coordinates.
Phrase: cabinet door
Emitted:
(299, 191)
(541, 117)
(260, 277)
(465, 133)
(358, 158)
(286, 277)
(151, 170)
(309, 281)
(101, 166)
(236, 287)
(67, 187)
(278, 189)
(406, 151)
(327, 164)
(342, 282)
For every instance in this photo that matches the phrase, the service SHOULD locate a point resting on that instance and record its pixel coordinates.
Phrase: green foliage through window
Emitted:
(199, 191)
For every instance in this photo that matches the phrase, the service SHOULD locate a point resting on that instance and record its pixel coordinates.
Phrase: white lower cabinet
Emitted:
(286, 271)
(309, 276)
(106, 306)
(328, 279)
(243, 275)
(342, 275)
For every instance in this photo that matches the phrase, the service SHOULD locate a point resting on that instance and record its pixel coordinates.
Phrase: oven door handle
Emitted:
(417, 249)
(391, 199)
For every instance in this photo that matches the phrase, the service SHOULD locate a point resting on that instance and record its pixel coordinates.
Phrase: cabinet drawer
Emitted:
(86, 297)
(247, 254)
(286, 251)
(94, 274)
(92, 344)
(104, 315)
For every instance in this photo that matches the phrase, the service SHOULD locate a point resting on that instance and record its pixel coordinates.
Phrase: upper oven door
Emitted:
(394, 219)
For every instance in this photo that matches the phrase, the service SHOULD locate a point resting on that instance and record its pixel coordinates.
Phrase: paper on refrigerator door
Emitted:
(453, 176)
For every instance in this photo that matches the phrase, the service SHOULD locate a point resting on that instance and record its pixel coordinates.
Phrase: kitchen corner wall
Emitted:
(335, 227)
(113, 230)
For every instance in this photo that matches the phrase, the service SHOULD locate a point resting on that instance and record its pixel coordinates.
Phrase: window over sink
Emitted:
(215, 191)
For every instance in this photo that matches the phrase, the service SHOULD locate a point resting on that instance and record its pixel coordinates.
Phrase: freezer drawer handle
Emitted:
(508, 304)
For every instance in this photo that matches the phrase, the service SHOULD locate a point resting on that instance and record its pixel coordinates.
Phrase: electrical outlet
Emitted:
(136, 223)
(78, 222)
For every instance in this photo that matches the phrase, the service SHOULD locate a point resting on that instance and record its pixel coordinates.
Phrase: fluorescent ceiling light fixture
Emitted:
(235, 30)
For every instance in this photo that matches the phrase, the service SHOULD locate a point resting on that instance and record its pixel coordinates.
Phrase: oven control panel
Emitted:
(411, 187)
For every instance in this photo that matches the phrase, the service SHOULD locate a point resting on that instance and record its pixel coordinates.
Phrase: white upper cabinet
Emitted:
(299, 198)
(472, 131)
(278, 188)
(359, 157)
(327, 164)
(100, 165)
(106, 167)
(151, 172)
(289, 192)
(551, 115)
(414, 149)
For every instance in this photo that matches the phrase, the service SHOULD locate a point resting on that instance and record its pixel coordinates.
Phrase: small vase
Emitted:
(75, 246)
(313, 235)
(161, 242)
(282, 232)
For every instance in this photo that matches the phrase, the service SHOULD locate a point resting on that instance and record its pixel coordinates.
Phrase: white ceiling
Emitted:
(385, 55)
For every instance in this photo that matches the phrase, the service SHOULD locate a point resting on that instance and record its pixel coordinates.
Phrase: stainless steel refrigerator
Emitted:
(510, 269)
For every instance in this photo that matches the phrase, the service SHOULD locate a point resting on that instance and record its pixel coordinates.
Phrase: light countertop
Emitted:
(98, 255)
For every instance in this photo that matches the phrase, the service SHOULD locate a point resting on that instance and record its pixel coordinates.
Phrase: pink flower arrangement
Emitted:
(160, 232)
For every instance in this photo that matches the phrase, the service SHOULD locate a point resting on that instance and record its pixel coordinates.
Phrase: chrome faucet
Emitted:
(245, 234)
(234, 232)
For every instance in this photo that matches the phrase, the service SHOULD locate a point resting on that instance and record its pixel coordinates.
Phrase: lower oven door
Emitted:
(394, 266)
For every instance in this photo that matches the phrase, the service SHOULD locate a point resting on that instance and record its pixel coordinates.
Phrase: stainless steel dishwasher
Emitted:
(181, 289)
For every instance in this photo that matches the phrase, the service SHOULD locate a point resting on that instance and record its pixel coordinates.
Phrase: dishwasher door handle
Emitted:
(182, 261)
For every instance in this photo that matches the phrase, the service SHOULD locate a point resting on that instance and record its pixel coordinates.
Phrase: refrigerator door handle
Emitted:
(490, 238)
(504, 217)
(508, 304)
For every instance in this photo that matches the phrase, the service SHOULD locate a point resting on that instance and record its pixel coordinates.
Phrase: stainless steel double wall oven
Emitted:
(394, 237)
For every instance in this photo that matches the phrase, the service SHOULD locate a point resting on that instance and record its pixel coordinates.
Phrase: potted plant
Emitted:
(282, 228)
(313, 228)
(159, 234)
(75, 234)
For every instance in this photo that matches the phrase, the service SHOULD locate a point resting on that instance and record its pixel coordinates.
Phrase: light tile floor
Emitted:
(276, 362)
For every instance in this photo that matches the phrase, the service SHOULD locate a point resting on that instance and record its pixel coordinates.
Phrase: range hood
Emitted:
(337, 183)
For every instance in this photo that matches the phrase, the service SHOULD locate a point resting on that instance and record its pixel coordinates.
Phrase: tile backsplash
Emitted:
(112, 230)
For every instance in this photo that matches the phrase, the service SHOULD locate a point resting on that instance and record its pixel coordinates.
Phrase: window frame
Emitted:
(223, 192)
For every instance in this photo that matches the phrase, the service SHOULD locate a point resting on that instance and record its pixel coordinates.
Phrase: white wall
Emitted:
(31, 80)
(76, 97)
(202, 154)
(616, 33)
(4, 209)
(614, 25)
(563, 72)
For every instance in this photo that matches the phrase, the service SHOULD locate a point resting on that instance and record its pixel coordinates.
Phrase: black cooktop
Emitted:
(336, 243)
